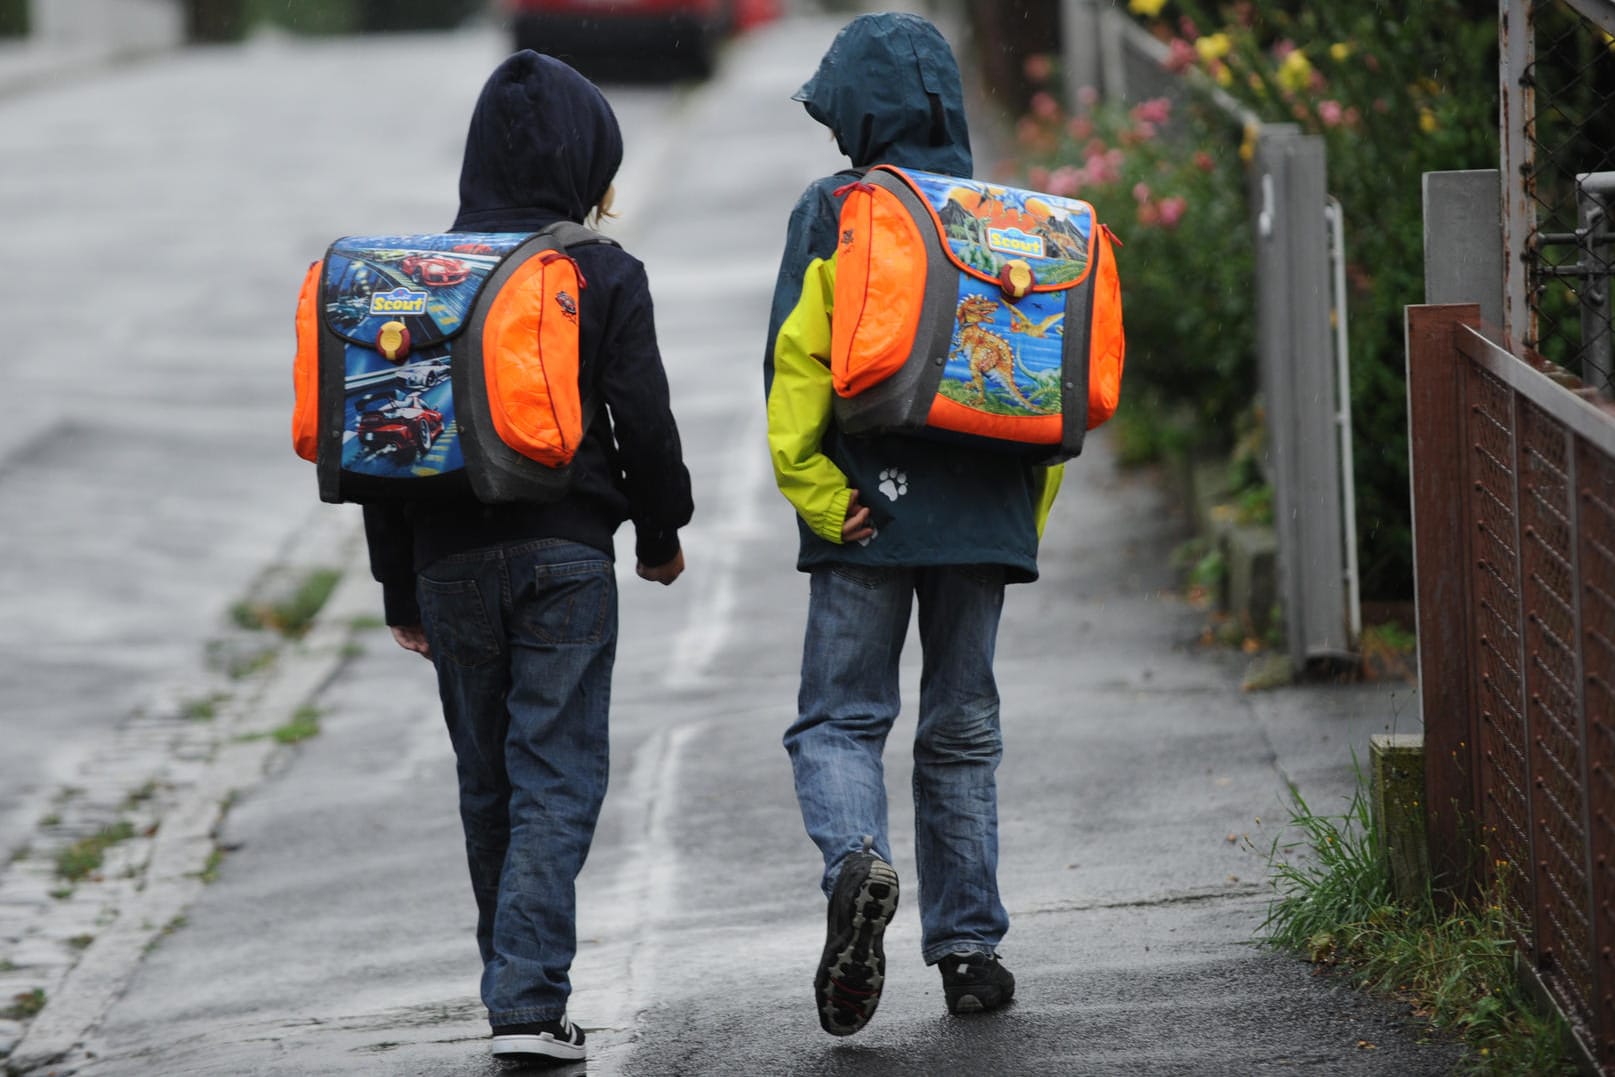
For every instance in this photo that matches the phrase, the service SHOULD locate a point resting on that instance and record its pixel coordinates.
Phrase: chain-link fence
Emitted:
(1558, 97)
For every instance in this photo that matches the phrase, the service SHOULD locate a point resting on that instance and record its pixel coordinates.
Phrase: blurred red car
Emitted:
(434, 269)
(627, 39)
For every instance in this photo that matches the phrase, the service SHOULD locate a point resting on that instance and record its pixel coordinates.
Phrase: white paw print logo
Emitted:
(893, 483)
(874, 533)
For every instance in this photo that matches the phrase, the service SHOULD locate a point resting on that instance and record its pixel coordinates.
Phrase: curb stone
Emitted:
(172, 778)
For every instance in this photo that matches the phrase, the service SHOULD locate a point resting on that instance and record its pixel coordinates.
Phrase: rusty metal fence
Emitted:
(1514, 536)
(1557, 84)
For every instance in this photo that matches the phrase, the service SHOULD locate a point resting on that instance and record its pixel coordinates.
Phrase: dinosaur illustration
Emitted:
(1020, 323)
(986, 351)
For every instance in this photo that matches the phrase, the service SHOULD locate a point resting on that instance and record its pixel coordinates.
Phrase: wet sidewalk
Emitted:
(1140, 790)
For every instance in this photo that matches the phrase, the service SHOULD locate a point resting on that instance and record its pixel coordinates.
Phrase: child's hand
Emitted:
(412, 638)
(664, 573)
(856, 527)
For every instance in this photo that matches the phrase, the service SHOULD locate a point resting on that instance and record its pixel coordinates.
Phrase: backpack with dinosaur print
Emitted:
(972, 311)
(441, 365)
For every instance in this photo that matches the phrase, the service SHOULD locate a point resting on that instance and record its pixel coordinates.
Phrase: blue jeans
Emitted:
(857, 618)
(523, 638)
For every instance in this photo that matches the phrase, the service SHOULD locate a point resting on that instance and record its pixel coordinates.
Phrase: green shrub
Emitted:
(1394, 89)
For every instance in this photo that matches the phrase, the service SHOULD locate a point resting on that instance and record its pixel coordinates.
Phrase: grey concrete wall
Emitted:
(131, 25)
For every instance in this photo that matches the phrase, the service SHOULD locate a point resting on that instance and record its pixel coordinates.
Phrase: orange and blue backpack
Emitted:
(974, 311)
(442, 365)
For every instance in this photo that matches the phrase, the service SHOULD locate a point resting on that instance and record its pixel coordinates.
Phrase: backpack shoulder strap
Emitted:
(572, 234)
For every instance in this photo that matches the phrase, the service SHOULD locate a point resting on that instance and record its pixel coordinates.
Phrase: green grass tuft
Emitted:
(85, 855)
(1455, 968)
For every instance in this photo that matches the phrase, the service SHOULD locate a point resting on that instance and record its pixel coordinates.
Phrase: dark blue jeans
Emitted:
(857, 619)
(523, 638)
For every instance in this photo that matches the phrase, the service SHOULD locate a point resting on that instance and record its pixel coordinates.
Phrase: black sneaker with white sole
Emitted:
(975, 983)
(853, 968)
(539, 1041)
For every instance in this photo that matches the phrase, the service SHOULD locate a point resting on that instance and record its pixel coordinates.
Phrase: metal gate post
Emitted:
(1294, 347)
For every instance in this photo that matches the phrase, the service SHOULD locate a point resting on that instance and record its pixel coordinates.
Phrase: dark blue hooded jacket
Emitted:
(889, 90)
(544, 146)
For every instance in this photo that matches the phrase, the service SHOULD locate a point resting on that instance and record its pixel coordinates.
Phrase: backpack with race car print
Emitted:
(434, 365)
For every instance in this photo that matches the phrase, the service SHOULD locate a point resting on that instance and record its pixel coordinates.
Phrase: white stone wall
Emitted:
(119, 24)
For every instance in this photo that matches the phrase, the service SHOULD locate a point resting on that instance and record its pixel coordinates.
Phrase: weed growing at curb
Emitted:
(290, 616)
(85, 855)
(24, 1005)
(1455, 969)
(305, 723)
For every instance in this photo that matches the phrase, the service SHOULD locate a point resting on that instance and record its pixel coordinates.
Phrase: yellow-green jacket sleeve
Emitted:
(1048, 480)
(799, 402)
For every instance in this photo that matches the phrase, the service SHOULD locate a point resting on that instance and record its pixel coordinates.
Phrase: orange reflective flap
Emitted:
(530, 359)
(1107, 345)
(306, 367)
(1023, 429)
(878, 298)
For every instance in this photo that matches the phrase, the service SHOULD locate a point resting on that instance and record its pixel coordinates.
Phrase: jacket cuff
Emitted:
(398, 603)
(653, 548)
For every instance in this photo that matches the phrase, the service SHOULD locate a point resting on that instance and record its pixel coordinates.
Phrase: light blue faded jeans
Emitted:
(523, 638)
(848, 700)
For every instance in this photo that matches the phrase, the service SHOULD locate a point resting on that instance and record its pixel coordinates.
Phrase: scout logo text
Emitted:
(1015, 241)
(399, 301)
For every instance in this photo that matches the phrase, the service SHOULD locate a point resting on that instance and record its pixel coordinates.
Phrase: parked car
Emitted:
(434, 269)
(625, 39)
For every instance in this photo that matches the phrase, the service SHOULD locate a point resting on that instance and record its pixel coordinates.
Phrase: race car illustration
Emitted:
(435, 270)
(398, 424)
(423, 375)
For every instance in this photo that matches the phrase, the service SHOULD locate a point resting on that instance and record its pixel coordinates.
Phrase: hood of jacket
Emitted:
(543, 145)
(888, 88)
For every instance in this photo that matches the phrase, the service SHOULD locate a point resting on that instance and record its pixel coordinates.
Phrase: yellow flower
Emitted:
(1340, 51)
(1222, 76)
(1147, 8)
(1247, 150)
(1212, 47)
(1428, 122)
(1295, 73)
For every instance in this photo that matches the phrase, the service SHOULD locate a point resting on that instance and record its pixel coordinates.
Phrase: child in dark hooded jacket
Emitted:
(886, 520)
(516, 604)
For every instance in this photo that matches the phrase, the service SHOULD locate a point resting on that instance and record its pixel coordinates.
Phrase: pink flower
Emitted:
(1331, 113)
(1038, 67)
(1353, 116)
(1143, 132)
(1141, 192)
(1157, 110)
(1204, 162)
(1037, 177)
(1180, 56)
(1187, 28)
(1087, 97)
(1172, 210)
(1095, 148)
(1064, 181)
(1028, 132)
(1148, 214)
(1282, 48)
(1080, 128)
(1044, 106)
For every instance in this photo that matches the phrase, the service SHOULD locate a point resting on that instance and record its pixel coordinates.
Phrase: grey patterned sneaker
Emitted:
(539, 1041)
(975, 983)
(853, 967)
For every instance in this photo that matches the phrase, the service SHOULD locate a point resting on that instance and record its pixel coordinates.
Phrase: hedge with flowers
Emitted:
(1395, 89)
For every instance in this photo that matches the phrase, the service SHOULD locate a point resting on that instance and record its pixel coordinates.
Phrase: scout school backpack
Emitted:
(974, 312)
(434, 365)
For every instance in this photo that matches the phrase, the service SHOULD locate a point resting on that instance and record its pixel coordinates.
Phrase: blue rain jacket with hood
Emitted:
(543, 146)
(889, 90)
